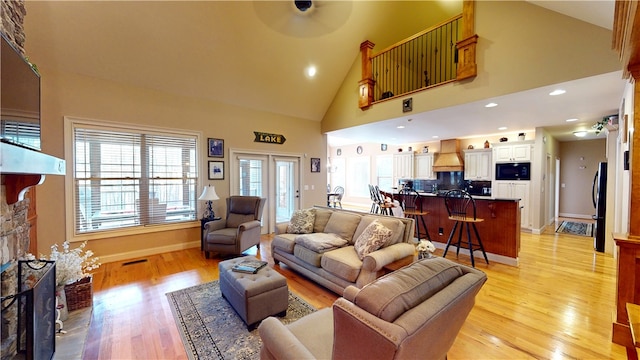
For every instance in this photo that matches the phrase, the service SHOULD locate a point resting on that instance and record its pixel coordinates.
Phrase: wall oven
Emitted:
(513, 171)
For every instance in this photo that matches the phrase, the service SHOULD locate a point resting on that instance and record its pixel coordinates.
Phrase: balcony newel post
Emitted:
(365, 86)
(467, 66)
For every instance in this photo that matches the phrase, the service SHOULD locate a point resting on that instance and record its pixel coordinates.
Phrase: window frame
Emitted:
(70, 124)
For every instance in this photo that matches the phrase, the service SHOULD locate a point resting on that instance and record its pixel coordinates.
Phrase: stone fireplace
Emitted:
(20, 171)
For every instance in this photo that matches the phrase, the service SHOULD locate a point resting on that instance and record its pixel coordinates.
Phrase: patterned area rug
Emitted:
(575, 228)
(211, 329)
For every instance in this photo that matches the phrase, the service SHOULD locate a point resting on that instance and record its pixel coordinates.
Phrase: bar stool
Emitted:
(412, 207)
(459, 205)
(379, 205)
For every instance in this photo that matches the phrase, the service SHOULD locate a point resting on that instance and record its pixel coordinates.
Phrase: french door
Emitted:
(275, 177)
(286, 189)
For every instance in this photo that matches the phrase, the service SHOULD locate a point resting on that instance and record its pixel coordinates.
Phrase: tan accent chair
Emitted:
(239, 231)
(414, 312)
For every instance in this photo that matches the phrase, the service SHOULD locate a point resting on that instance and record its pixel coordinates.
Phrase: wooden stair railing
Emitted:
(408, 77)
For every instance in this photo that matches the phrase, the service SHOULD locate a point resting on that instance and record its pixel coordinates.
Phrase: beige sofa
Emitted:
(328, 253)
(415, 312)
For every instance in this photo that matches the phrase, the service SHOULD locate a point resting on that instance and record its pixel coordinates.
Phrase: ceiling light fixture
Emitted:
(581, 133)
(435, 136)
(501, 128)
(557, 92)
(490, 105)
(400, 126)
(571, 120)
(303, 5)
(311, 71)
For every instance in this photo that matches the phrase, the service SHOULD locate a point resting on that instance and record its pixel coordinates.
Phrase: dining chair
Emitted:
(336, 199)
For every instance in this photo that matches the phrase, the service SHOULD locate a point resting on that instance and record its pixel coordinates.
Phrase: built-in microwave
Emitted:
(513, 171)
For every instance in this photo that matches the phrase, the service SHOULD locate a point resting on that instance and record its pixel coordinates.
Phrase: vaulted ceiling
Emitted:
(251, 53)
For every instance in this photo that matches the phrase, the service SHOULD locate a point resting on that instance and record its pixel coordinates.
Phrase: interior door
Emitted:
(287, 187)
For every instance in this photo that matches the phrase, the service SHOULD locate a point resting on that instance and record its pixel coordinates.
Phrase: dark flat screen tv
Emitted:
(19, 99)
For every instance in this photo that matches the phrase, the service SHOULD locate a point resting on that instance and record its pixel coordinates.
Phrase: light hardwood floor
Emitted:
(558, 304)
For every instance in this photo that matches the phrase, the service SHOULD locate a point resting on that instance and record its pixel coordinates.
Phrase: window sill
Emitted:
(106, 234)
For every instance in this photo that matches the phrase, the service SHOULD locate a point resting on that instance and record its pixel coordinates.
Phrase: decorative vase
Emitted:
(486, 144)
(425, 150)
(61, 304)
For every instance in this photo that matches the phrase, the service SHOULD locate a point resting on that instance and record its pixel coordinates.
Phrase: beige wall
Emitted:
(66, 94)
(578, 165)
(520, 47)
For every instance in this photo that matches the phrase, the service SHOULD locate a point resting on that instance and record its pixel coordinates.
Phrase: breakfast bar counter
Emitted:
(500, 230)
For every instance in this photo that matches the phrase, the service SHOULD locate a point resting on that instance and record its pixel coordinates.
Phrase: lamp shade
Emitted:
(209, 193)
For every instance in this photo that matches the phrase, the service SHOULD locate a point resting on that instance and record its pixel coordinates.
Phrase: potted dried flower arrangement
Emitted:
(73, 267)
(425, 249)
(73, 275)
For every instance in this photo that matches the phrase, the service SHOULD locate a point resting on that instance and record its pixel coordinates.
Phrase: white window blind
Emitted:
(125, 179)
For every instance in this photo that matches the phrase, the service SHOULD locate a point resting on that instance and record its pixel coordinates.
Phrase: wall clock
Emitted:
(359, 150)
(339, 152)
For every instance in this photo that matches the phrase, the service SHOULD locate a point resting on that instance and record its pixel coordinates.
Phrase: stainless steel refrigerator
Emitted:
(599, 196)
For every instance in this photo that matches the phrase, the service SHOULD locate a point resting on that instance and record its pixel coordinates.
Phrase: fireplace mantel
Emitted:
(22, 168)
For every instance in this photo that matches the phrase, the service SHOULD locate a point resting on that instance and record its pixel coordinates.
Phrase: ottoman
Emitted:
(254, 296)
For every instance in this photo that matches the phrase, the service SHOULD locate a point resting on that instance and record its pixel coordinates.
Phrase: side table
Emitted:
(398, 264)
(202, 222)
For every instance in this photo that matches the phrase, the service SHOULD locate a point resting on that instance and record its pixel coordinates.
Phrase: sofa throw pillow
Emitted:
(372, 238)
(302, 221)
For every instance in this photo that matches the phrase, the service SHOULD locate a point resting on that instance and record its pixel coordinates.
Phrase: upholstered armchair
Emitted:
(240, 229)
(414, 312)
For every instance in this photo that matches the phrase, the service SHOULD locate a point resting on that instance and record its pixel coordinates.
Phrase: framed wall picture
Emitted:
(216, 147)
(216, 170)
(315, 165)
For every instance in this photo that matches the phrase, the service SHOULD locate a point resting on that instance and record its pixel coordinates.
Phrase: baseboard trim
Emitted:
(576, 216)
(147, 252)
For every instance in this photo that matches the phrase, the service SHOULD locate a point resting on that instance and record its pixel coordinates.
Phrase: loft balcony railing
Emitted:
(439, 55)
(426, 59)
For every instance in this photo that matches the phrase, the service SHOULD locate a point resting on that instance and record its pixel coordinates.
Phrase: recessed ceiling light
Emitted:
(400, 126)
(435, 136)
(491, 104)
(311, 71)
(557, 92)
(502, 128)
(571, 120)
(581, 133)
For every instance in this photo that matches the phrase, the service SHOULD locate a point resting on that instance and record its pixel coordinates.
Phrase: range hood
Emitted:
(449, 158)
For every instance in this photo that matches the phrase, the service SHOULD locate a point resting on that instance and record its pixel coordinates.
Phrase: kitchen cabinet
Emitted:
(478, 165)
(424, 166)
(512, 152)
(402, 167)
(515, 190)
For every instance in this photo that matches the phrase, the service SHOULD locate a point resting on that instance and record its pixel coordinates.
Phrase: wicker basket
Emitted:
(79, 294)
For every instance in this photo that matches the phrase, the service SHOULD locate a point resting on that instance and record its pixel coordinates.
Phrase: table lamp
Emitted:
(209, 194)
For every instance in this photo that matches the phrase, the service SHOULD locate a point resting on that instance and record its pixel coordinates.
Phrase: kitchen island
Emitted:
(500, 230)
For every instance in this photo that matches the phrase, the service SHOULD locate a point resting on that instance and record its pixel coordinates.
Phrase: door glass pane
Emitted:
(286, 189)
(251, 172)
